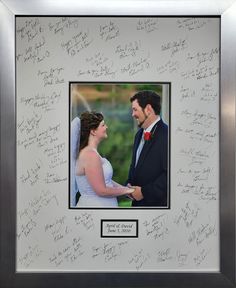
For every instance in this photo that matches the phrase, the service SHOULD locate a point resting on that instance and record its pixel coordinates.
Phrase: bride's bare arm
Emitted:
(93, 171)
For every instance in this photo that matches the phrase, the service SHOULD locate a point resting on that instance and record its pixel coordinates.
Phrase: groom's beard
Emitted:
(140, 124)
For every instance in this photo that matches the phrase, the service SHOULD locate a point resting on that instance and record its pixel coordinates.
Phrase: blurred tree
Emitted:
(99, 87)
(156, 88)
(118, 148)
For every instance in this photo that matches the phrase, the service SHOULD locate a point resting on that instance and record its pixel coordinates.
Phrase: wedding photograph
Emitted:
(119, 145)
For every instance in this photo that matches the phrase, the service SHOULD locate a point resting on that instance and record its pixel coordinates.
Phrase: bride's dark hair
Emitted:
(89, 121)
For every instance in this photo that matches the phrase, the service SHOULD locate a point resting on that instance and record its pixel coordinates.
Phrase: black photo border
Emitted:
(225, 278)
(169, 144)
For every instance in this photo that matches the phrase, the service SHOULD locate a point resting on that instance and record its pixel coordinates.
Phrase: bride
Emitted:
(93, 174)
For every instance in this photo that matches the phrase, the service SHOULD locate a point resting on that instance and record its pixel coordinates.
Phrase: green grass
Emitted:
(124, 202)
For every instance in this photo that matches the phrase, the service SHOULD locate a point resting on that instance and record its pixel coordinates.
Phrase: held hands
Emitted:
(136, 194)
(130, 190)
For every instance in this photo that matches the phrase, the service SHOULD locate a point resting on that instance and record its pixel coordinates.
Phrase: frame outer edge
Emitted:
(8, 146)
(228, 143)
(8, 170)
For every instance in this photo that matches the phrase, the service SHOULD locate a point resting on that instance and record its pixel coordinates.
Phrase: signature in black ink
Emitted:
(109, 31)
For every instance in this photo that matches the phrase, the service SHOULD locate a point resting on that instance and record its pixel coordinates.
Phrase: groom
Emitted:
(148, 169)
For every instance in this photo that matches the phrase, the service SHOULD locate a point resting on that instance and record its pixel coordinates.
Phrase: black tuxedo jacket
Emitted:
(151, 170)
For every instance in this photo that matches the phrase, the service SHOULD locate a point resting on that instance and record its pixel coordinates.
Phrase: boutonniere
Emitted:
(147, 136)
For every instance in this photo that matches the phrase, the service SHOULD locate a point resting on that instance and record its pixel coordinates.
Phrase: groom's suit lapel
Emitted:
(148, 144)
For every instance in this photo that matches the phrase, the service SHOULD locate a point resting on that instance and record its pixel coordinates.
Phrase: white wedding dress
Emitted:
(88, 196)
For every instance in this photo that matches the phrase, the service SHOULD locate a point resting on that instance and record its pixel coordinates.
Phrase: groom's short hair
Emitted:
(146, 97)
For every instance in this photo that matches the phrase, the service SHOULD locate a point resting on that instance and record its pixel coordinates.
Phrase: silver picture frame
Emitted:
(8, 276)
